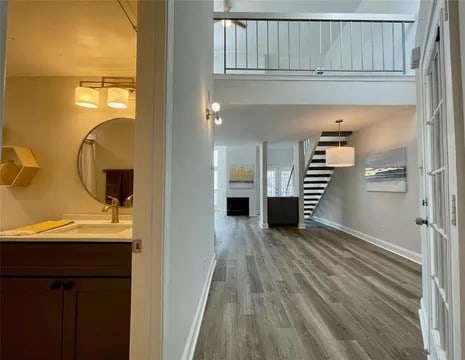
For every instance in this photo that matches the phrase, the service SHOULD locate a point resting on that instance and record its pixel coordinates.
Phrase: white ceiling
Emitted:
(251, 124)
(70, 38)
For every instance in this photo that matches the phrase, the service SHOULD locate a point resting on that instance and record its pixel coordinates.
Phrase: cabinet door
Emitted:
(96, 319)
(30, 319)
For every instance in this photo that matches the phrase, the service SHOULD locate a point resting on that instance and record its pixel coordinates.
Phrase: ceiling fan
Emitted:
(227, 23)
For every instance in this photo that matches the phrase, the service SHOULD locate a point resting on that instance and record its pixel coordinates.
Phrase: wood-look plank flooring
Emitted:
(310, 294)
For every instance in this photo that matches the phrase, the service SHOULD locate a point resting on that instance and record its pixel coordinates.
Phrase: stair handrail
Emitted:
(289, 180)
(309, 152)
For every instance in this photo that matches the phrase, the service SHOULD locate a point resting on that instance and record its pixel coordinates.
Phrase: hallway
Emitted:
(312, 294)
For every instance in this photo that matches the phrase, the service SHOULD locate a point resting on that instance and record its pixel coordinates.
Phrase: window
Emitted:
(278, 180)
(271, 181)
(284, 179)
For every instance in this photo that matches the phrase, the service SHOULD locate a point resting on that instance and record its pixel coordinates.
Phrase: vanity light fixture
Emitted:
(215, 113)
(87, 93)
(86, 97)
(118, 98)
(340, 156)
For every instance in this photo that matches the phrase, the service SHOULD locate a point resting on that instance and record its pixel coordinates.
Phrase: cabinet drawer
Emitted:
(65, 259)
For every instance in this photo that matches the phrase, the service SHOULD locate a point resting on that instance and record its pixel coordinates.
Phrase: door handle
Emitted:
(57, 284)
(420, 221)
(68, 285)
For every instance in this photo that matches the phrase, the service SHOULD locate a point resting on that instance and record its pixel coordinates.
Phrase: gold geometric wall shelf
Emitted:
(18, 166)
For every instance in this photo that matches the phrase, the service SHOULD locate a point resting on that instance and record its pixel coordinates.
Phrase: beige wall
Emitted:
(40, 113)
(382, 215)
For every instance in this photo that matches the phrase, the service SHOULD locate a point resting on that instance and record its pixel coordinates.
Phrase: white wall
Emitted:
(313, 91)
(280, 157)
(190, 198)
(40, 113)
(244, 155)
(385, 216)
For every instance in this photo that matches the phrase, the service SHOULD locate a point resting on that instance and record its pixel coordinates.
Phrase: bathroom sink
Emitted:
(92, 229)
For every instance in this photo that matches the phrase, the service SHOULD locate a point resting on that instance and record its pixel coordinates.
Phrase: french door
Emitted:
(280, 182)
(440, 306)
(437, 175)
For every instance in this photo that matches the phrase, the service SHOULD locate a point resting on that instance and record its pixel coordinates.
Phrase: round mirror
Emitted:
(106, 161)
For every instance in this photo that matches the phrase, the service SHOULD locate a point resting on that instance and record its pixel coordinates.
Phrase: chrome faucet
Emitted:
(114, 206)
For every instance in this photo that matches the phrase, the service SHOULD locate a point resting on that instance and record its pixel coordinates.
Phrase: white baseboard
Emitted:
(398, 250)
(191, 342)
(301, 226)
(264, 226)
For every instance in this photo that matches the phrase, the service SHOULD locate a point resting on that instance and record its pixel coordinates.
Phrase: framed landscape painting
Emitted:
(387, 171)
(241, 177)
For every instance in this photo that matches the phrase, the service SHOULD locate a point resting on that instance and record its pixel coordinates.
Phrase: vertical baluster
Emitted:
(340, 43)
(382, 44)
(279, 53)
(372, 48)
(393, 47)
(300, 62)
(235, 48)
(309, 45)
(256, 32)
(246, 46)
(361, 46)
(404, 65)
(330, 48)
(321, 45)
(268, 65)
(289, 43)
(351, 50)
(224, 46)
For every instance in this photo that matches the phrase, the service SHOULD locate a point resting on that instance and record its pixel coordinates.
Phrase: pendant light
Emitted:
(340, 156)
(118, 98)
(86, 97)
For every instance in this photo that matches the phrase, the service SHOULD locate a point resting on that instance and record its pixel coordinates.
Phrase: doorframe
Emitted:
(456, 158)
(3, 43)
(146, 337)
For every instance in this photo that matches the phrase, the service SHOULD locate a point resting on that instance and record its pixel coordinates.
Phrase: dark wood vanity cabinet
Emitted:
(78, 308)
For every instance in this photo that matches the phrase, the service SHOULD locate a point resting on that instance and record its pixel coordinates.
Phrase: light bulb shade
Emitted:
(341, 156)
(118, 98)
(216, 107)
(218, 120)
(86, 97)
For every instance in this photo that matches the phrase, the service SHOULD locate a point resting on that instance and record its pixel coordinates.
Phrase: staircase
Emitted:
(318, 174)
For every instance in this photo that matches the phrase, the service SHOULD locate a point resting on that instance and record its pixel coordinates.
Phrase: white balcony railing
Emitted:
(311, 43)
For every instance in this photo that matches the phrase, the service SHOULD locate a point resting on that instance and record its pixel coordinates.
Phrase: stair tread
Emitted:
(331, 143)
(336, 133)
(314, 168)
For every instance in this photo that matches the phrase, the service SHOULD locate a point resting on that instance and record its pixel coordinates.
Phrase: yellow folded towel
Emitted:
(36, 228)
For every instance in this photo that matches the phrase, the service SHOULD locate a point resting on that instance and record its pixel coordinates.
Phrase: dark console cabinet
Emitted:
(283, 211)
(237, 206)
(65, 301)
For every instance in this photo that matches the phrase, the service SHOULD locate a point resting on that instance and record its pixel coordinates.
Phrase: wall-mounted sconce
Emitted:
(215, 113)
(87, 93)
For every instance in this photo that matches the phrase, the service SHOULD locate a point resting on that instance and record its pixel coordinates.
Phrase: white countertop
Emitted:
(68, 233)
